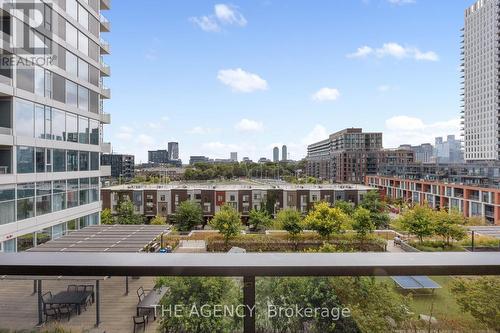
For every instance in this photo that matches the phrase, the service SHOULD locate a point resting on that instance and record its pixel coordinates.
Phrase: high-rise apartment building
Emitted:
(346, 156)
(276, 154)
(122, 166)
(480, 73)
(449, 151)
(284, 153)
(234, 157)
(51, 118)
(424, 153)
(158, 156)
(173, 151)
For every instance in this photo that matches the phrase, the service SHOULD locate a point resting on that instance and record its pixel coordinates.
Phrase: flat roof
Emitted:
(238, 187)
(105, 238)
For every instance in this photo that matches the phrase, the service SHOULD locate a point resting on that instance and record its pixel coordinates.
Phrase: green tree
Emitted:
(480, 297)
(127, 215)
(188, 215)
(228, 222)
(107, 217)
(300, 292)
(290, 220)
(377, 208)
(189, 294)
(371, 303)
(158, 220)
(326, 220)
(418, 221)
(259, 220)
(362, 222)
(346, 207)
(449, 225)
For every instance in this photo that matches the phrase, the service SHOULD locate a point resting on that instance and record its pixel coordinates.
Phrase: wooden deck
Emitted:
(18, 306)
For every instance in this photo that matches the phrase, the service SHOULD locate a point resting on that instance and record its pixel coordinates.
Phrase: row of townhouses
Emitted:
(163, 200)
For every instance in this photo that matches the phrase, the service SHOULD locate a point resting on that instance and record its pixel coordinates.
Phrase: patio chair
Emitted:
(65, 311)
(72, 287)
(141, 293)
(140, 321)
(90, 288)
(49, 310)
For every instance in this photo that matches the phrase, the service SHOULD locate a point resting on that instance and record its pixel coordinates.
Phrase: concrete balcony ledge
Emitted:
(105, 4)
(106, 148)
(106, 118)
(105, 170)
(105, 48)
(105, 24)
(106, 93)
(105, 70)
(5, 131)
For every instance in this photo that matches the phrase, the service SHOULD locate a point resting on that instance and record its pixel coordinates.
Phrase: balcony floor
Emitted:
(18, 306)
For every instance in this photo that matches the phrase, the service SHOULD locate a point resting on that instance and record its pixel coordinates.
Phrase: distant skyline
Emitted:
(248, 76)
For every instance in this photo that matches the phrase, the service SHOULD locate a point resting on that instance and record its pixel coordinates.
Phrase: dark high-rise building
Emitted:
(173, 151)
(346, 156)
(158, 156)
(122, 166)
(284, 153)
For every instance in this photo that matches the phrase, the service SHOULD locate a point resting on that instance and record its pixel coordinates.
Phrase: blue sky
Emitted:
(247, 75)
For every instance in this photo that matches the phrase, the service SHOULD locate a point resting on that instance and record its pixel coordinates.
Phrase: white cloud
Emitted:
(145, 140)
(228, 14)
(395, 50)
(224, 14)
(412, 130)
(401, 2)
(361, 52)
(241, 81)
(200, 130)
(247, 125)
(326, 94)
(318, 133)
(384, 88)
(206, 23)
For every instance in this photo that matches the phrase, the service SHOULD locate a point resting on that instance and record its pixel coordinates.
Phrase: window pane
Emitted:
(73, 193)
(71, 94)
(83, 70)
(40, 160)
(59, 125)
(39, 121)
(7, 205)
(71, 128)
(39, 81)
(83, 43)
(94, 161)
(49, 160)
(59, 196)
(25, 78)
(83, 129)
(59, 160)
(83, 98)
(25, 201)
(25, 159)
(48, 123)
(43, 198)
(94, 132)
(71, 63)
(72, 8)
(84, 161)
(72, 157)
(94, 102)
(24, 118)
(71, 35)
(83, 17)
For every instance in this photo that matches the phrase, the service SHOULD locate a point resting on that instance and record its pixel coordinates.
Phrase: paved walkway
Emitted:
(391, 247)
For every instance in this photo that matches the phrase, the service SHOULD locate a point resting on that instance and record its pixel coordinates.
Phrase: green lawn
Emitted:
(444, 308)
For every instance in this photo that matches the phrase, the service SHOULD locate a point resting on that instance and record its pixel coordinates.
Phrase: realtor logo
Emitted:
(26, 25)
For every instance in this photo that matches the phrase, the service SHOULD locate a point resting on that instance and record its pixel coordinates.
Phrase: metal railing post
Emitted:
(249, 303)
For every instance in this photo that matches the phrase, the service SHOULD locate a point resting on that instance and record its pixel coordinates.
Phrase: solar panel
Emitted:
(426, 282)
(407, 282)
(415, 282)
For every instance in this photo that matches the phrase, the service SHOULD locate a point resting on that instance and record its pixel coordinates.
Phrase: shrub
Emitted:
(228, 222)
